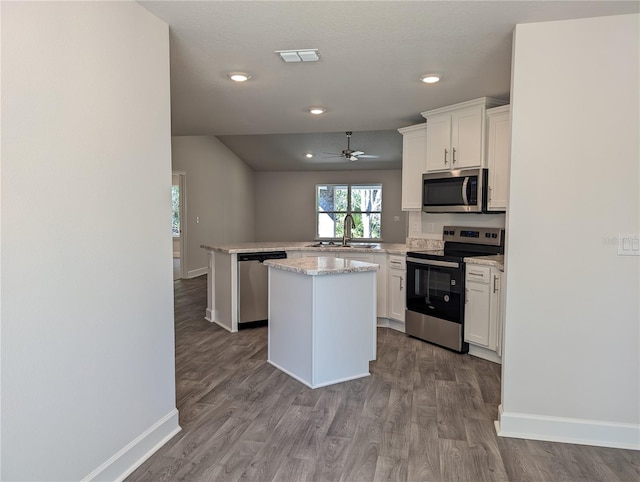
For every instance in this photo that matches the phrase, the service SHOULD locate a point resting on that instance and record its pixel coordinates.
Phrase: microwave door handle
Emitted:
(465, 200)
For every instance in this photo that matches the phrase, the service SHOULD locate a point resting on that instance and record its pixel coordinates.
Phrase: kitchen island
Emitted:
(322, 318)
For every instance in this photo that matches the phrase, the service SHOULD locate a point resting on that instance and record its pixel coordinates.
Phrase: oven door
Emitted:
(436, 288)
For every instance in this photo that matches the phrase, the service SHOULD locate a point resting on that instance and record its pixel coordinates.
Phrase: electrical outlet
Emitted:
(628, 245)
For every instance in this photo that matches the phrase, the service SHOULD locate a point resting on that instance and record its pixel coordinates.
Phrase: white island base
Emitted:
(322, 319)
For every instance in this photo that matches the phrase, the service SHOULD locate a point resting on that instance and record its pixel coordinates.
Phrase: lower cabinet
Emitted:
(377, 258)
(381, 276)
(483, 317)
(397, 287)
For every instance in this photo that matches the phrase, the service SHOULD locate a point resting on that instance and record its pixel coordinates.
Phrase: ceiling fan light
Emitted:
(238, 76)
(430, 78)
(317, 110)
(309, 155)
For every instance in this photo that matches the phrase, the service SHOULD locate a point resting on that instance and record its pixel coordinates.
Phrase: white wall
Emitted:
(219, 193)
(87, 308)
(285, 202)
(571, 365)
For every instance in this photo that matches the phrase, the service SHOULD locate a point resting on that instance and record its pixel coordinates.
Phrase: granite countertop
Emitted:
(259, 247)
(316, 266)
(497, 261)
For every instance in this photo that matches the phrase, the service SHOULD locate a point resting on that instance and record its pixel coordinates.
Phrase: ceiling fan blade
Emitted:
(357, 153)
(368, 156)
(353, 158)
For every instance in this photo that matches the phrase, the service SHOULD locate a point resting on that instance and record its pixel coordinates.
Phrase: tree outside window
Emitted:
(362, 201)
(175, 206)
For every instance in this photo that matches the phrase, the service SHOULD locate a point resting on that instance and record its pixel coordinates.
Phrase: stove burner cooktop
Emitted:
(462, 242)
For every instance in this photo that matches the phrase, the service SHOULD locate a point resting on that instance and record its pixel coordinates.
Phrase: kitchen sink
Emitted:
(339, 246)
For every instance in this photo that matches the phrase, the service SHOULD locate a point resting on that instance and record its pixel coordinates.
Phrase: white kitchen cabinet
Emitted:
(397, 287)
(483, 320)
(414, 145)
(381, 277)
(455, 135)
(438, 156)
(498, 156)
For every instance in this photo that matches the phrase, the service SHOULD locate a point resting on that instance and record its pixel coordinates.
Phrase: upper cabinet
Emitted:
(498, 156)
(455, 135)
(414, 145)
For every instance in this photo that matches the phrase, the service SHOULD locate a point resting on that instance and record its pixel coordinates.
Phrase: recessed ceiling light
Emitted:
(317, 110)
(309, 155)
(430, 78)
(238, 76)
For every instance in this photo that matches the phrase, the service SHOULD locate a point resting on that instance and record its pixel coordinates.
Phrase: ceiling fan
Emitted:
(349, 153)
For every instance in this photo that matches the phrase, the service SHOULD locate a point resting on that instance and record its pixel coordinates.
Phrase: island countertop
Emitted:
(317, 266)
(354, 247)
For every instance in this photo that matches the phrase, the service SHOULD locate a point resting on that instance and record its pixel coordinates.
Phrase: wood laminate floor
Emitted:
(424, 414)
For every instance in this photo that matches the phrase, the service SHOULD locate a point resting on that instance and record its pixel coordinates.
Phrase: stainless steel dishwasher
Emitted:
(253, 287)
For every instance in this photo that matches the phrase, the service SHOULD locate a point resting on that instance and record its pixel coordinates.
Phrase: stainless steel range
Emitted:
(435, 284)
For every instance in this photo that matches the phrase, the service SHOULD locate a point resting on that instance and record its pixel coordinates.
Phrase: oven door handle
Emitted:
(432, 262)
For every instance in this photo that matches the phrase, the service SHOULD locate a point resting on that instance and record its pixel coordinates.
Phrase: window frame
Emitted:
(349, 210)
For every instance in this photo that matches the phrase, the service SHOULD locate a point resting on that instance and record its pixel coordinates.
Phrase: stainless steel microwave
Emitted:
(462, 191)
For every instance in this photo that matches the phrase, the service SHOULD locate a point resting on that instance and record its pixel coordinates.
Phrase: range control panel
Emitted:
(462, 234)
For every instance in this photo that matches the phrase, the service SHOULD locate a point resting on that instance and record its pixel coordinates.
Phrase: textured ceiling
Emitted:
(372, 55)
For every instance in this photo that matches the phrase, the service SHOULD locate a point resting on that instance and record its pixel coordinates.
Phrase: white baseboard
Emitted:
(568, 430)
(194, 273)
(484, 353)
(389, 323)
(397, 325)
(211, 319)
(138, 450)
(318, 385)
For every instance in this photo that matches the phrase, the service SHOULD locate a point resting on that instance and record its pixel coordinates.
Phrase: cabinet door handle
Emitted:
(490, 189)
(453, 157)
(401, 287)
(495, 282)
(475, 274)
(445, 155)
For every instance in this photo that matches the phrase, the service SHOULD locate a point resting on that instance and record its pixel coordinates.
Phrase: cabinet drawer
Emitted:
(397, 262)
(478, 274)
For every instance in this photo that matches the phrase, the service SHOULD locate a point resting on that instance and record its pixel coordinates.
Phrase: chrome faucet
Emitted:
(347, 228)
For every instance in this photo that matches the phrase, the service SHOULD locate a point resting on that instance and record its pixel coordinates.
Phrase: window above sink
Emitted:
(362, 201)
